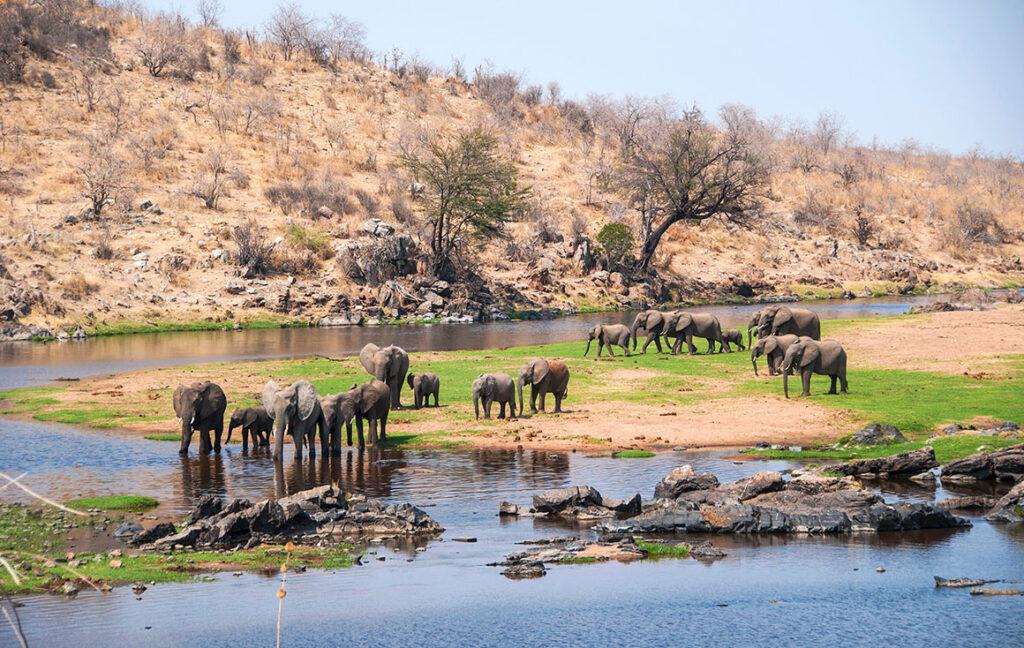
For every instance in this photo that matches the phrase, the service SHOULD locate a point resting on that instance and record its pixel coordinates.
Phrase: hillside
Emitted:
(309, 152)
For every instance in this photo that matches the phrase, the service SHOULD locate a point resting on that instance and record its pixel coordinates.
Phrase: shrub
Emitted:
(252, 250)
(401, 210)
(43, 29)
(163, 44)
(310, 239)
(616, 241)
(76, 287)
(972, 225)
(309, 194)
(818, 211)
(368, 201)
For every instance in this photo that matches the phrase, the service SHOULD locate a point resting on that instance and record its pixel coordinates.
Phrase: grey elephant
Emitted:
(200, 406)
(774, 348)
(372, 404)
(255, 422)
(734, 336)
(336, 411)
(755, 317)
(686, 326)
(543, 376)
(608, 335)
(388, 365)
(785, 320)
(295, 409)
(496, 387)
(424, 386)
(826, 357)
(652, 323)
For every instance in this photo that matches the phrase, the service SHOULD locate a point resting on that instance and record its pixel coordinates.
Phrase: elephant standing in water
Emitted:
(495, 387)
(336, 411)
(543, 376)
(652, 322)
(424, 386)
(784, 320)
(371, 403)
(389, 365)
(295, 409)
(686, 326)
(254, 422)
(609, 334)
(200, 406)
(827, 358)
(774, 348)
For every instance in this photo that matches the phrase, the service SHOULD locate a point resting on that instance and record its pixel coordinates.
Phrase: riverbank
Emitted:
(916, 372)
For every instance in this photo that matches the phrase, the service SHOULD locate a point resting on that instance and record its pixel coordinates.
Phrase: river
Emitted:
(766, 591)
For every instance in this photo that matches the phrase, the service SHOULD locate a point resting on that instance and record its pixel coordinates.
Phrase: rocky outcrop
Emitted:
(323, 514)
(1010, 507)
(968, 503)
(906, 464)
(767, 503)
(683, 480)
(1006, 464)
(957, 583)
(878, 434)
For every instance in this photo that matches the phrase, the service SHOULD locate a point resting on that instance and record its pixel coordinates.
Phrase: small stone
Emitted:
(880, 570)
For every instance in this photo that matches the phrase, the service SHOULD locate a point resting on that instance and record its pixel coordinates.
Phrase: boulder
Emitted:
(1006, 464)
(902, 465)
(968, 502)
(1010, 507)
(377, 227)
(127, 529)
(341, 319)
(560, 499)
(235, 286)
(877, 434)
(681, 480)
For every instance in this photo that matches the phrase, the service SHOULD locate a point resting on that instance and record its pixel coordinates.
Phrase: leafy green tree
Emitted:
(471, 190)
(616, 241)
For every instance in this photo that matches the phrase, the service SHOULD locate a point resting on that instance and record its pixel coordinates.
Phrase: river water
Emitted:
(767, 591)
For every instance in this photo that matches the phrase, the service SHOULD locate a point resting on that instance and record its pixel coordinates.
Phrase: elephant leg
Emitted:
(204, 439)
(558, 403)
(600, 347)
(348, 433)
(842, 383)
(711, 346)
(657, 342)
(436, 404)
(533, 400)
(689, 344)
(725, 345)
(373, 431)
(832, 388)
(501, 409)
(245, 439)
(677, 346)
(384, 427)
(611, 350)
(625, 348)
(359, 430)
(543, 397)
(806, 379)
(647, 343)
(298, 438)
(186, 441)
(218, 432)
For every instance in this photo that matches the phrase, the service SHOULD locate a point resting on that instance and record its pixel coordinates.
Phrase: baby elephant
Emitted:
(424, 386)
(827, 358)
(732, 336)
(496, 387)
(254, 421)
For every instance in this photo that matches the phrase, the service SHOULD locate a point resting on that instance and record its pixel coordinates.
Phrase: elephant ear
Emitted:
(683, 321)
(540, 370)
(366, 357)
(206, 397)
(269, 393)
(305, 399)
(811, 354)
(250, 416)
(781, 317)
(770, 345)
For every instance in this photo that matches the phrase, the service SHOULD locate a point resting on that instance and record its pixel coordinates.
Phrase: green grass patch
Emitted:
(422, 441)
(163, 437)
(114, 503)
(946, 449)
(658, 550)
(579, 560)
(106, 329)
(633, 454)
(98, 417)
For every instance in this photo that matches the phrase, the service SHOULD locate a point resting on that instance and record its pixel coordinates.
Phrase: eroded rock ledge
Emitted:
(318, 515)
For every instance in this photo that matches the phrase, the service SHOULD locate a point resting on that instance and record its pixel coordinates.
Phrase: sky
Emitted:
(947, 74)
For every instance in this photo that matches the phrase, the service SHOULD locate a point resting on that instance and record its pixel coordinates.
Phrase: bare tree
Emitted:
(259, 109)
(162, 44)
(345, 40)
(212, 178)
(684, 169)
(210, 11)
(828, 130)
(87, 82)
(104, 172)
(289, 29)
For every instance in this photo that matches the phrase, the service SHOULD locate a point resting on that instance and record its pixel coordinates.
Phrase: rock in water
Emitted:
(968, 502)
(1010, 507)
(127, 529)
(991, 591)
(877, 434)
(524, 570)
(682, 480)
(901, 465)
(578, 502)
(153, 534)
(1006, 464)
(960, 582)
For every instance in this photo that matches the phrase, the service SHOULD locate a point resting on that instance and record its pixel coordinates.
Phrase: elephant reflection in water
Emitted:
(202, 475)
(360, 471)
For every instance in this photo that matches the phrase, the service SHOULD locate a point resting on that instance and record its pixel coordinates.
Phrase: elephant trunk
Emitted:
(750, 336)
(231, 427)
(753, 360)
(785, 382)
(186, 432)
(589, 340)
(476, 404)
(632, 331)
(279, 426)
(519, 387)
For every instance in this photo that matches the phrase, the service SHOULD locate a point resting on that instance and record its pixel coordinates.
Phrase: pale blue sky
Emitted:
(949, 74)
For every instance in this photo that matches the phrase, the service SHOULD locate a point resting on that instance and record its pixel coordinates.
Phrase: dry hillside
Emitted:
(239, 141)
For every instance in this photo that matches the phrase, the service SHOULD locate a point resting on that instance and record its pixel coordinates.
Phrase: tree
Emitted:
(616, 241)
(289, 29)
(104, 172)
(684, 169)
(828, 131)
(471, 191)
(162, 44)
(210, 11)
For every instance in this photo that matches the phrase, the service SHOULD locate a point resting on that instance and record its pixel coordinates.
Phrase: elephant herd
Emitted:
(789, 338)
(299, 411)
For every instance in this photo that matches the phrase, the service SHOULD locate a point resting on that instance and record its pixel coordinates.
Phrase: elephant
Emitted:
(773, 347)
(686, 326)
(752, 327)
(388, 365)
(424, 386)
(653, 324)
(784, 320)
(254, 421)
(336, 411)
(543, 376)
(495, 387)
(734, 336)
(826, 357)
(200, 406)
(296, 409)
(371, 402)
(609, 334)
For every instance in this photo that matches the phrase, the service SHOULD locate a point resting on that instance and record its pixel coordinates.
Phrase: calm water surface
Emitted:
(767, 591)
